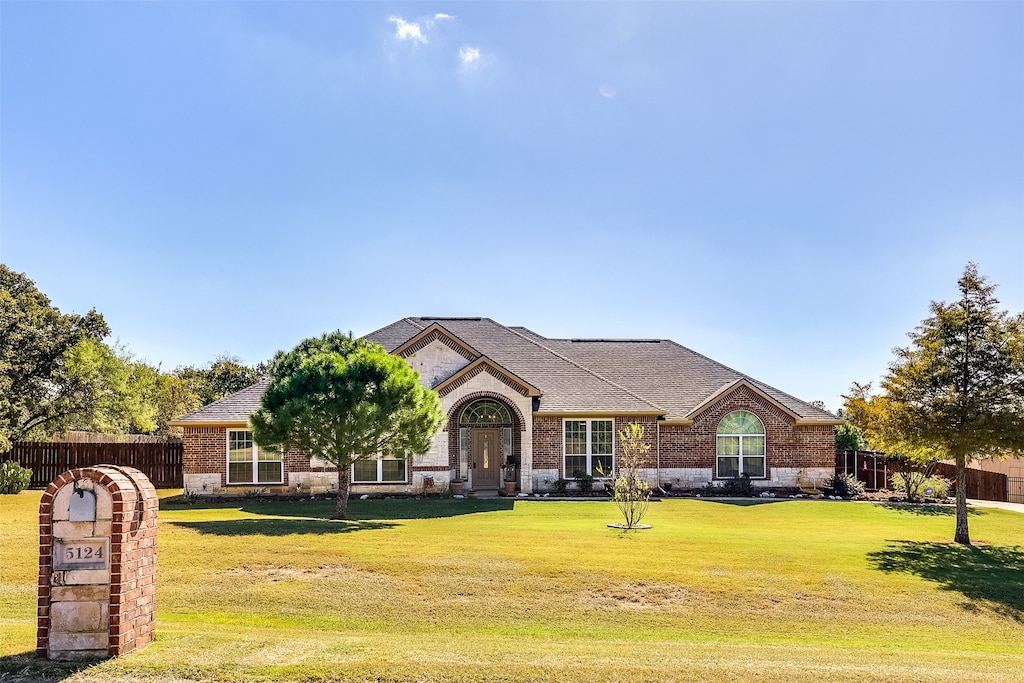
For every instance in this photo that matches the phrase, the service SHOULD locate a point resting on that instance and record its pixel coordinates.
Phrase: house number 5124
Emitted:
(82, 553)
(90, 553)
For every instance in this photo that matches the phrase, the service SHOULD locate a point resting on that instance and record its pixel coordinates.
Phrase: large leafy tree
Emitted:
(35, 342)
(343, 400)
(112, 391)
(225, 375)
(172, 396)
(957, 392)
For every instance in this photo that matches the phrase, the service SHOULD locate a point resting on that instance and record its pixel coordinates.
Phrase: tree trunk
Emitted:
(341, 506)
(962, 534)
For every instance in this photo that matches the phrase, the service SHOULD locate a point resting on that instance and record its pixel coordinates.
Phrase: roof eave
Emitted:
(208, 423)
(596, 413)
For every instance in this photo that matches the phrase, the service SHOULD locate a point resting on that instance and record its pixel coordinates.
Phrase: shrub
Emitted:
(845, 485)
(584, 482)
(915, 485)
(14, 477)
(938, 485)
(561, 486)
(740, 486)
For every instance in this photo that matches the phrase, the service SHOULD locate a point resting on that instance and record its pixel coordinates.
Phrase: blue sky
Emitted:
(781, 186)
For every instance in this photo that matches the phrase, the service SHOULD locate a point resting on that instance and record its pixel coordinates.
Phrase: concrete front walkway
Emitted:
(1016, 507)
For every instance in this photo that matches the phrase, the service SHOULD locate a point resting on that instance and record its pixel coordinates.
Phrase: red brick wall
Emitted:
(548, 444)
(205, 451)
(787, 444)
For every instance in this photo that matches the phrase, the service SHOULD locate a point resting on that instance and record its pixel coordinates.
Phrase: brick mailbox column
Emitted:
(97, 563)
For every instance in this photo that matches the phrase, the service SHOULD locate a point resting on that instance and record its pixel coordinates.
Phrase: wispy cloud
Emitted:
(408, 30)
(439, 17)
(607, 90)
(468, 55)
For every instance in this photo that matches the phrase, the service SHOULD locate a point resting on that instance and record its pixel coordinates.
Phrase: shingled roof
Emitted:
(229, 410)
(651, 376)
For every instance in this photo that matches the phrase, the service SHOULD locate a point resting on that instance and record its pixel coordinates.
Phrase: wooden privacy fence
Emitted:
(980, 484)
(161, 462)
(871, 468)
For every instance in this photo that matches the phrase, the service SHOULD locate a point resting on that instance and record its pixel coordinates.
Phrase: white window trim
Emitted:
(380, 473)
(255, 461)
(590, 462)
(740, 456)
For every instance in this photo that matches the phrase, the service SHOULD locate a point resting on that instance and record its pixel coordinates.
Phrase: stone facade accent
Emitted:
(435, 360)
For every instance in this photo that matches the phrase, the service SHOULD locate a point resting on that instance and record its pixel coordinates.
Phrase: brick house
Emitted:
(552, 407)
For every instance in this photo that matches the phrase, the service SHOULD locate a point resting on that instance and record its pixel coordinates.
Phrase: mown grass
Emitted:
(491, 590)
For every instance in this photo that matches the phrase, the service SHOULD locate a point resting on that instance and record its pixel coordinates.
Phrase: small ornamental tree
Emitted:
(849, 438)
(345, 400)
(632, 494)
(956, 393)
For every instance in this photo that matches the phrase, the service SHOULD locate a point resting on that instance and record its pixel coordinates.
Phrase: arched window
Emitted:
(485, 412)
(741, 446)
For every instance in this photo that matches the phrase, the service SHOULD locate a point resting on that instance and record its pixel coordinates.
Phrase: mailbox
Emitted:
(97, 563)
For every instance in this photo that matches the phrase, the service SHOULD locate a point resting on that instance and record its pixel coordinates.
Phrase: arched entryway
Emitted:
(488, 442)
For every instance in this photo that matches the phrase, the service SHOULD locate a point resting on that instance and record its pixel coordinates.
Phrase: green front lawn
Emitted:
(487, 590)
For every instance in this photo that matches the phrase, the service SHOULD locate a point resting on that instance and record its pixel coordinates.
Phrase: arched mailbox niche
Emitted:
(97, 563)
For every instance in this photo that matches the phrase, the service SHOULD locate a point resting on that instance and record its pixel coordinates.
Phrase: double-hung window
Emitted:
(378, 471)
(588, 446)
(248, 464)
(741, 446)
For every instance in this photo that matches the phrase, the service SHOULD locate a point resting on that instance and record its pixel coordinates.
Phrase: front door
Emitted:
(486, 450)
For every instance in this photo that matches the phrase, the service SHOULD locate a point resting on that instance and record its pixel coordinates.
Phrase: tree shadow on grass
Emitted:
(281, 527)
(425, 508)
(283, 518)
(745, 502)
(24, 666)
(926, 510)
(990, 576)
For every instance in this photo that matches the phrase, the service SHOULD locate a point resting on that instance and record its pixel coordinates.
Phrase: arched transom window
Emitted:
(741, 445)
(485, 412)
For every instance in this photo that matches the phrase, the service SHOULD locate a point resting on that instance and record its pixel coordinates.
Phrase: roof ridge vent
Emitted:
(629, 341)
(443, 318)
